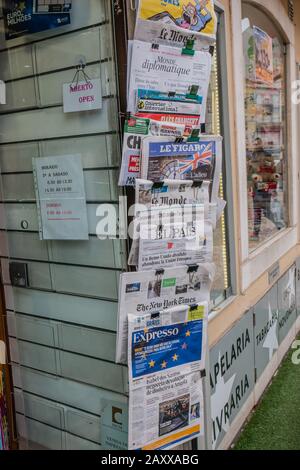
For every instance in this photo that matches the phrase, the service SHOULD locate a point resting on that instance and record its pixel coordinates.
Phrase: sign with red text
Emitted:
(61, 200)
(82, 96)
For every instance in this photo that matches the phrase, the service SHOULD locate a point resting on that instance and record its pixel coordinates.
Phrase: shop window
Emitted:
(265, 114)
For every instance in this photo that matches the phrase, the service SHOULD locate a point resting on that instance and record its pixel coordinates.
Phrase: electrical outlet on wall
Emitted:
(19, 274)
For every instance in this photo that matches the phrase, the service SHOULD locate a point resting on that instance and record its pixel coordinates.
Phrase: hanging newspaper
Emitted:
(168, 194)
(152, 291)
(173, 22)
(169, 237)
(181, 119)
(167, 69)
(135, 130)
(166, 353)
(196, 161)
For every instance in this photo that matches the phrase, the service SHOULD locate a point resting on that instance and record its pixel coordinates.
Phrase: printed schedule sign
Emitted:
(61, 199)
(82, 96)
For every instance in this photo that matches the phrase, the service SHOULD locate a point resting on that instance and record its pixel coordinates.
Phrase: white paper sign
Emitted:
(2, 92)
(82, 96)
(61, 199)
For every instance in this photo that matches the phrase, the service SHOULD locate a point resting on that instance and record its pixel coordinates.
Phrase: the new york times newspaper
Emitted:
(152, 291)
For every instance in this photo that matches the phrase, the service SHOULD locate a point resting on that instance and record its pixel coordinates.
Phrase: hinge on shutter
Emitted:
(254, 319)
(255, 375)
(291, 10)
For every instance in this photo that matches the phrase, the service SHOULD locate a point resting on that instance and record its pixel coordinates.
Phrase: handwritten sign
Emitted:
(82, 96)
(61, 199)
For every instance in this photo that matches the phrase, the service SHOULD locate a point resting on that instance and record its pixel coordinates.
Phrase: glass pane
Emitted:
(213, 126)
(265, 106)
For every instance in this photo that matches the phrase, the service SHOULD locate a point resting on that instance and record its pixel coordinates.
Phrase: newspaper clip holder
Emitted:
(179, 140)
(203, 374)
(158, 185)
(193, 307)
(211, 50)
(172, 94)
(193, 92)
(193, 268)
(155, 46)
(197, 184)
(154, 315)
(189, 48)
(159, 272)
(194, 136)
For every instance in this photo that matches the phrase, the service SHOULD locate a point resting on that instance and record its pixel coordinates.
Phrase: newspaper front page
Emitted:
(198, 161)
(156, 290)
(174, 23)
(166, 69)
(166, 353)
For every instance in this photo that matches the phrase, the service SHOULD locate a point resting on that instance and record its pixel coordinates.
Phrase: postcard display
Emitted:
(175, 170)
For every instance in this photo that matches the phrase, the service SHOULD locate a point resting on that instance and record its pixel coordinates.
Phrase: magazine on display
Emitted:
(173, 160)
(168, 69)
(153, 291)
(174, 23)
(166, 353)
(135, 130)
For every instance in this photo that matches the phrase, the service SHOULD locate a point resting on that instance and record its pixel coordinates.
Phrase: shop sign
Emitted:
(231, 376)
(61, 200)
(114, 426)
(286, 303)
(82, 96)
(33, 16)
(266, 330)
(274, 273)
